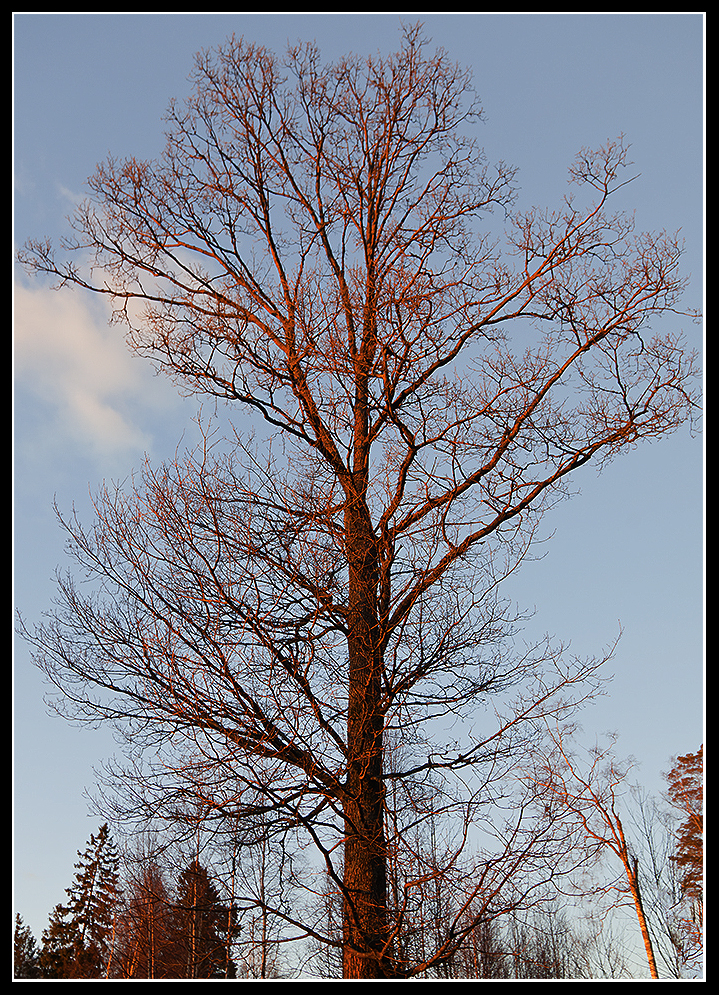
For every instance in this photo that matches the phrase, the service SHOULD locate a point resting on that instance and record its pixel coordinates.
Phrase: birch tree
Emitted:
(591, 790)
(315, 247)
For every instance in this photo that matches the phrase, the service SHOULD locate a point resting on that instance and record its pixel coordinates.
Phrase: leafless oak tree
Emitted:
(311, 247)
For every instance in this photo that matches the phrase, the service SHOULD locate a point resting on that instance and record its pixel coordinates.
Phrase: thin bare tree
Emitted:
(314, 248)
(652, 828)
(592, 790)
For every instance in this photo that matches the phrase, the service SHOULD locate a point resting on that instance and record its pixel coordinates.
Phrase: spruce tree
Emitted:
(26, 956)
(78, 940)
(203, 927)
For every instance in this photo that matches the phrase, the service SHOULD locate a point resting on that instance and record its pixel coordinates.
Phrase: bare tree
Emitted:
(310, 248)
(592, 791)
(263, 870)
(144, 943)
(653, 830)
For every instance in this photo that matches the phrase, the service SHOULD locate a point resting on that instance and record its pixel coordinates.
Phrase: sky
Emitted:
(627, 550)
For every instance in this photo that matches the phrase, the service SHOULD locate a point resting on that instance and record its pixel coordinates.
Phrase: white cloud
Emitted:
(68, 357)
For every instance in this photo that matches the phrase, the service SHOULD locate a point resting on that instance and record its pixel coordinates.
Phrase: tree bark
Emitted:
(365, 929)
(633, 876)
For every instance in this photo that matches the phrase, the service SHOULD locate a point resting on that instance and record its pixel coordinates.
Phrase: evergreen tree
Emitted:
(185, 934)
(60, 945)
(203, 927)
(79, 938)
(26, 956)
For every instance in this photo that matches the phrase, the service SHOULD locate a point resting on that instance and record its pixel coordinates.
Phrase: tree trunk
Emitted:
(365, 931)
(365, 927)
(633, 875)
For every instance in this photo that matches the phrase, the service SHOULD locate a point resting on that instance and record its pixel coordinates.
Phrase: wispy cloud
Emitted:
(70, 359)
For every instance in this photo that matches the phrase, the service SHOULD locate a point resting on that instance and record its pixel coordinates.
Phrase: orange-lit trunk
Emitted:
(633, 877)
(365, 928)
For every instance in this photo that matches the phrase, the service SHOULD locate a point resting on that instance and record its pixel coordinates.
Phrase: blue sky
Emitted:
(627, 549)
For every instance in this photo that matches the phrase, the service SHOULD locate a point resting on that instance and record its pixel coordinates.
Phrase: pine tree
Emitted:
(79, 938)
(26, 956)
